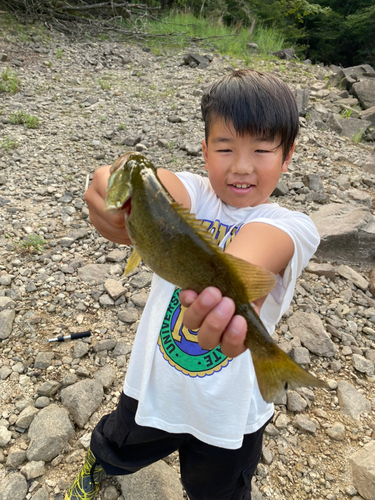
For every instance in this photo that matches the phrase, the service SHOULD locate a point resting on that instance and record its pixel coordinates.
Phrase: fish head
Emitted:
(123, 176)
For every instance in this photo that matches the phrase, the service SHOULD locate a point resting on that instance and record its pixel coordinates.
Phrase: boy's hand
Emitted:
(214, 316)
(109, 225)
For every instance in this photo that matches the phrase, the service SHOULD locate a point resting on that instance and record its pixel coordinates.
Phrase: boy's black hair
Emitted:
(253, 102)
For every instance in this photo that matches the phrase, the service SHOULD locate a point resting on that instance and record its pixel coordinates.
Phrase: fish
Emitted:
(169, 239)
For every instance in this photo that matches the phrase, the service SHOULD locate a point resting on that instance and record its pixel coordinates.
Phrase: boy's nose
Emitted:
(242, 166)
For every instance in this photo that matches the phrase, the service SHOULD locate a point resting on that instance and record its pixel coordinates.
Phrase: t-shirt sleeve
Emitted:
(306, 239)
(197, 187)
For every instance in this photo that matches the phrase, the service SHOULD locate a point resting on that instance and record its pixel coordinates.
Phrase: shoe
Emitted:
(87, 483)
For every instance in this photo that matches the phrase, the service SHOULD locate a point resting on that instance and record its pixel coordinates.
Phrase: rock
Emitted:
(16, 457)
(117, 255)
(26, 417)
(6, 302)
(302, 100)
(363, 365)
(352, 229)
(48, 388)
(365, 92)
(295, 402)
(362, 464)
(41, 494)
(348, 127)
(360, 197)
(80, 349)
(49, 432)
(6, 323)
(372, 282)
(285, 54)
(94, 272)
(336, 432)
(82, 399)
(368, 115)
(114, 288)
(192, 58)
(33, 469)
(140, 299)
(43, 359)
(105, 376)
(13, 487)
(281, 189)
(105, 345)
(309, 328)
(322, 269)
(305, 423)
(174, 119)
(156, 482)
(351, 402)
(352, 275)
(142, 279)
(5, 436)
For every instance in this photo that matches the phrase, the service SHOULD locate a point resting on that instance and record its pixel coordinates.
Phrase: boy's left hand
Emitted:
(214, 315)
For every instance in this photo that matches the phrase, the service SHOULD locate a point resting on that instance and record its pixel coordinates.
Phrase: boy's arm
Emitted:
(258, 243)
(111, 225)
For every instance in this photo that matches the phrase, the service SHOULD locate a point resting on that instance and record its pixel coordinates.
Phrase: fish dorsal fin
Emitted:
(257, 280)
(133, 262)
(195, 224)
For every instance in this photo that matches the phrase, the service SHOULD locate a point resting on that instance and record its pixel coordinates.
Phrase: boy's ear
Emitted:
(288, 158)
(205, 155)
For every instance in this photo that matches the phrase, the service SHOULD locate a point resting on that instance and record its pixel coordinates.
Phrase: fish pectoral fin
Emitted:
(133, 262)
(257, 280)
(277, 372)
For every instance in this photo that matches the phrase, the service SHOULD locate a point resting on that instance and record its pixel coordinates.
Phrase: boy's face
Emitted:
(243, 171)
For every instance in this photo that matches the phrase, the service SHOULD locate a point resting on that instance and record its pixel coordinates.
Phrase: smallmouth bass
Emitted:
(176, 247)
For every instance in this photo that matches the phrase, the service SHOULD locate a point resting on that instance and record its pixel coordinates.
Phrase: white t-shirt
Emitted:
(182, 388)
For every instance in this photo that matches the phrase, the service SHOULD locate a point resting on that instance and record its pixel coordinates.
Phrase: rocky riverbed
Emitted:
(94, 101)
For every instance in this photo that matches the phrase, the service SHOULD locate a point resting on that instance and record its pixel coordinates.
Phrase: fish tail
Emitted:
(276, 373)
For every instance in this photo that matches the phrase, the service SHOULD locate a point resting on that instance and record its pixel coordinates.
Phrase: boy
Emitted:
(206, 403)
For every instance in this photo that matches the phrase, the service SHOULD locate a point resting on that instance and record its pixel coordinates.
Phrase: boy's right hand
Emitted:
(110, 225)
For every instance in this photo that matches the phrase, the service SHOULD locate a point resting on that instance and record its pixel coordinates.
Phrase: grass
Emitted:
(22, 118)
(358, 136)
(345, 113)
(32, 243)
(9, 81)
(8, 144)
(104, 84)
(179, 29)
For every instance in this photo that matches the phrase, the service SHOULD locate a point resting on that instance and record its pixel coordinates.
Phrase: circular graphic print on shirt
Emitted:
(180, 347)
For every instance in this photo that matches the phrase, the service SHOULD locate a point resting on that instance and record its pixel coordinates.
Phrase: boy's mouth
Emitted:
(241, 186)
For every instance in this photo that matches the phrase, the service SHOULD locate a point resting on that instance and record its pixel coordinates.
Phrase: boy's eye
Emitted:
(224, 150)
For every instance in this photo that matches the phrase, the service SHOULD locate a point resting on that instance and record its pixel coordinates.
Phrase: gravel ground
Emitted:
(94, 101)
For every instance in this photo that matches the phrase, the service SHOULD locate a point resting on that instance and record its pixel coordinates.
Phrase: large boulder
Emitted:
(347, 233)
(49, 432)
(365, 92)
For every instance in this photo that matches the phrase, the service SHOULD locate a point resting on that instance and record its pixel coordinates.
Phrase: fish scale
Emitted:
(175, 246)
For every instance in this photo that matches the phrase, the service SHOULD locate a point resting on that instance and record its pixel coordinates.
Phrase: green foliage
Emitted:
(22, 118)
(8, 144)
(346, 113)
(358, 136)
(300, 9)
(32, 243)
(104, 84)
(9, 81)
(212, 33)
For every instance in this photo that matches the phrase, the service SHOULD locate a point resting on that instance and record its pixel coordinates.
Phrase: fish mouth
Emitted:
(127, 207)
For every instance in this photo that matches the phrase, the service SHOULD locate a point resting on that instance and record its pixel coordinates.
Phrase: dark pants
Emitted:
(207, 472)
